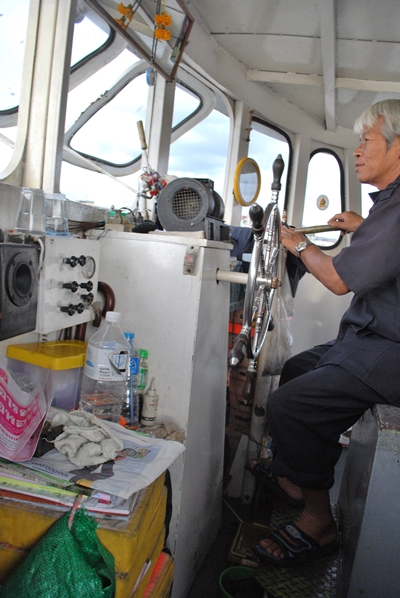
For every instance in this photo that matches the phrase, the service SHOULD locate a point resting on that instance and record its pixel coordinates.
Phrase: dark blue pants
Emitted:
(307, 414)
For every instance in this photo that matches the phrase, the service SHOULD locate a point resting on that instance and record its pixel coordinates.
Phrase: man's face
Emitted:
(374, 162)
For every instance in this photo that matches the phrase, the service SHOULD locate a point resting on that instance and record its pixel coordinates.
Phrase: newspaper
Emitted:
(141, 461)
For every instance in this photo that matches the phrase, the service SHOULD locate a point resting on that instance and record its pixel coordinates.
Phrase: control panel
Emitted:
(67, 283)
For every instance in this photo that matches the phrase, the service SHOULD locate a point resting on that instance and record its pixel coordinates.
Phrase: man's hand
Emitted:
(290, 238)
(347, 222)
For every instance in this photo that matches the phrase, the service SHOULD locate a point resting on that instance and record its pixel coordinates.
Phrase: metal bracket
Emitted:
(189, 262)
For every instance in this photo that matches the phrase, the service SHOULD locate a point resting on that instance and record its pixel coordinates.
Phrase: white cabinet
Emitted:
(182, 320)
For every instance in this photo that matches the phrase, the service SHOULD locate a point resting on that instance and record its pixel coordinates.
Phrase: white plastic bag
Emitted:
(22, 414)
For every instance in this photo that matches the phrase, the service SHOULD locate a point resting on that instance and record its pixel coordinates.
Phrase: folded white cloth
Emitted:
(86, 439)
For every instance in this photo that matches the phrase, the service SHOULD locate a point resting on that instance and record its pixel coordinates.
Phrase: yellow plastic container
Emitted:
(56, 366)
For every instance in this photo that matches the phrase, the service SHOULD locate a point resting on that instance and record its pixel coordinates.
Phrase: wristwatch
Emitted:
(302, 246)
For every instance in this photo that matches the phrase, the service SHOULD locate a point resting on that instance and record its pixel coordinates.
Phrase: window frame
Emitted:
(326, 150)
(265, 123)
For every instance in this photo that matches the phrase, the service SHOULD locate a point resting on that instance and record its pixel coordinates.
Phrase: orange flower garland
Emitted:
(127, 13)
(162, 21)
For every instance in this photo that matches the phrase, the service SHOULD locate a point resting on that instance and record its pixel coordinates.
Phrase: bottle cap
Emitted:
(129, 335)
(152, 391)
(113, 316)
(143, 353)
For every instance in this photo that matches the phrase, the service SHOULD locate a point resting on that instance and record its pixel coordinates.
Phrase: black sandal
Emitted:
(297, 546)
(262, 473)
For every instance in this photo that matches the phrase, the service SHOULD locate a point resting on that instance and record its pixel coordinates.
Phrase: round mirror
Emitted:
(247, 182)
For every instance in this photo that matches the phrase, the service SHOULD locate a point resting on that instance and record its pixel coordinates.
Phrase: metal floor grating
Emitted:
(319, 579)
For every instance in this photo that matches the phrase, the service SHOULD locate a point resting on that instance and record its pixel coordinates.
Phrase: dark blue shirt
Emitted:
(368, 343)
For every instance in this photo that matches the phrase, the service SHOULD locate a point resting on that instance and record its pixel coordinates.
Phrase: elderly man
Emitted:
(324, 391)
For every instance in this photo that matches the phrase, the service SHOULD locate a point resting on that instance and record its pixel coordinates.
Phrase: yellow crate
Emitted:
(126, 578)
(24, 524)
(124, 539)
(126, 586)
(160, 582)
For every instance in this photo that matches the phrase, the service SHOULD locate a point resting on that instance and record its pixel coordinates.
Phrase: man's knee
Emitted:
(275, 404)
(296, 366)
(302, 363)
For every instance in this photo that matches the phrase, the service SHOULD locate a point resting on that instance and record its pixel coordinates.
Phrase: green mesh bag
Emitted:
(65, 564)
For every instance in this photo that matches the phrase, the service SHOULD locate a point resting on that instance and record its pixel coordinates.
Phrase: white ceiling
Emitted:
(339, 47)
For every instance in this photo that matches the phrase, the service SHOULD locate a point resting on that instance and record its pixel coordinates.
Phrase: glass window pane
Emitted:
(13, 27)
(7, 139)
(95, 86)
(86, 186)
(366, 201)
(202, 151)
(88, 37)
(111, 134)
(323, 198)
(185, 104)
(264, 146)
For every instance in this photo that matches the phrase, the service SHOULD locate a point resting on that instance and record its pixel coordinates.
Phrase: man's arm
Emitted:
(317, 262)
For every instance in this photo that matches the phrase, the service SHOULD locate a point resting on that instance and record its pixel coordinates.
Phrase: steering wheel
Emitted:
(262, 281)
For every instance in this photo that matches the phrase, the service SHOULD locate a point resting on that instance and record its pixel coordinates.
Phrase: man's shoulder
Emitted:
(392, 191)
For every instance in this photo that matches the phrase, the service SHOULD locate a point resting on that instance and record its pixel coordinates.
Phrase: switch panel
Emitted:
(67, 283)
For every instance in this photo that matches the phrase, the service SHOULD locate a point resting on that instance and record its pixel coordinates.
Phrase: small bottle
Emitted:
(130, 410)
(150, 404)
(143, 370)
(105, 370)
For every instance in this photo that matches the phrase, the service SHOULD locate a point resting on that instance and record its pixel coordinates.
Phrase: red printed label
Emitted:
(17, 422)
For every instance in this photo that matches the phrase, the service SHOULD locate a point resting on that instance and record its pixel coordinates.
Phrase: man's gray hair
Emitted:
(390, 110)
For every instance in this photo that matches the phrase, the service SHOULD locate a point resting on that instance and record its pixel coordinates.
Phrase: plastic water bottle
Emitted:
(105, 371)
(143, 370)
(130, 410)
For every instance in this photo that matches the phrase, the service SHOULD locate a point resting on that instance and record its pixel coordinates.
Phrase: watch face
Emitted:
(301, 246)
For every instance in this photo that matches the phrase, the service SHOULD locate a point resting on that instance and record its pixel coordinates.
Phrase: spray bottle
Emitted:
(150, 404)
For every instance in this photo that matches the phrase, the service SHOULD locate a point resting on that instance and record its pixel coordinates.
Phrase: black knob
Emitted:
(87, 285)
(73, 286)
(82, 260)
(72, 261)
(277, 169)
(87, 298)
(256, 214)
(80, 308)
(68, 309)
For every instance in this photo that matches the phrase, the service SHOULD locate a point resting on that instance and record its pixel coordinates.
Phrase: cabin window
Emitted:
(7, 140)
(324, 195)
(13, 28)
(186, 103)
(100, 139)
(202, 151)
(89, 36)
(266, 143)
(96, 188)
(110, 135)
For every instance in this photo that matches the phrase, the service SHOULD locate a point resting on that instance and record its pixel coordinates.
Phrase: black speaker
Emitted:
(18, 288)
